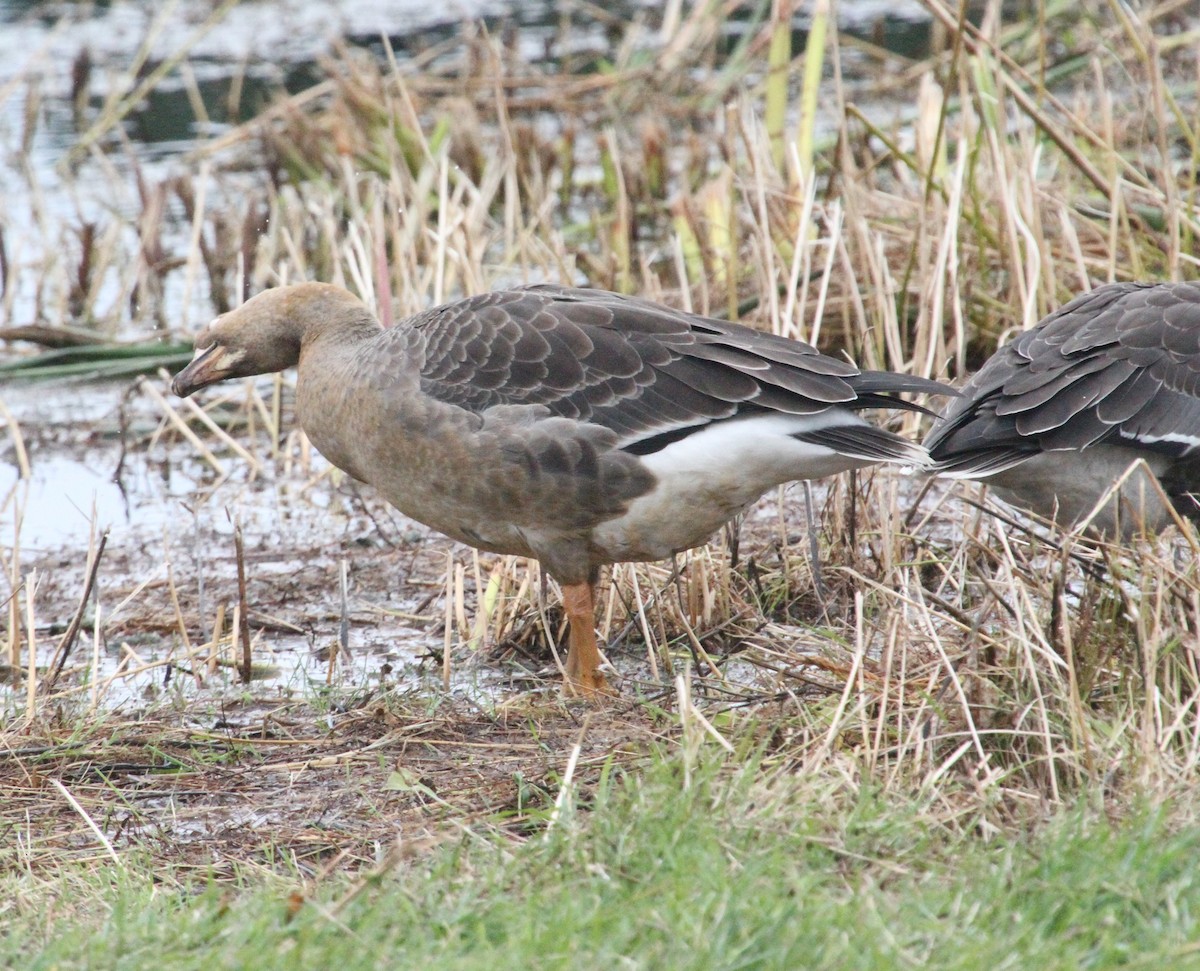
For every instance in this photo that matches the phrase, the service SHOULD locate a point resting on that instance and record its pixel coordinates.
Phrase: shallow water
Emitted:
(170, 520)
(268, 46)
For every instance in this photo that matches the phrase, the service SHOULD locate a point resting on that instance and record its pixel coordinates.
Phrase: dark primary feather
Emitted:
(644, 371)
(864, 441)
(1118, 365)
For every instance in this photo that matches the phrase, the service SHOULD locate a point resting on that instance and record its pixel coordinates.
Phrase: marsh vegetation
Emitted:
(264, 712)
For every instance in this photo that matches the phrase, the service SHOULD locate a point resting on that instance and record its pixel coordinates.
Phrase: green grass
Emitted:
(712, 868)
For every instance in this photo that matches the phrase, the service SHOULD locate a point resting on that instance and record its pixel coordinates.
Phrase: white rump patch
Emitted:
(707, 478)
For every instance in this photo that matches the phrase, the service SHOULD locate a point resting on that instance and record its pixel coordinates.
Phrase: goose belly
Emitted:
(709, 477)
(1066, 486)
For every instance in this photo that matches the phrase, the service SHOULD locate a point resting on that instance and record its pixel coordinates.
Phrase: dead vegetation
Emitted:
(942, 647)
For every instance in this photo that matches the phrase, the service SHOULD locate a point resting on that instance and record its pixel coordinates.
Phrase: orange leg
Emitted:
(583, 679)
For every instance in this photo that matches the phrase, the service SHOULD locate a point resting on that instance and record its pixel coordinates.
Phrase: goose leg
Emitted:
(583, 677)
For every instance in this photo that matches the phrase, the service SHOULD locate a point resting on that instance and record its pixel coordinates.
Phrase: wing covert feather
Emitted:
(637, 368)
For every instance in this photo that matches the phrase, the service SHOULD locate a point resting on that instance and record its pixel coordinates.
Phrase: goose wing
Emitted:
(1120, 364)
(649, 373)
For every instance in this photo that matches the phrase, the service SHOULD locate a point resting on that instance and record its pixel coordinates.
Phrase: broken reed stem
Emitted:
(779, 60)
(180, 623)
(640, 603)
(90, 823)
(344, 624)
(566, 789)
(14, 432)
(193, 258)
(14, 598)
(94, 677)
(31, 645)
(449, 620)
(243, 609)
(814, 59)
(214, 643)
(67, 643)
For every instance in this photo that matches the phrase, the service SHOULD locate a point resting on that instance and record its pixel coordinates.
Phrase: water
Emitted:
(170, 522)
(269, 46)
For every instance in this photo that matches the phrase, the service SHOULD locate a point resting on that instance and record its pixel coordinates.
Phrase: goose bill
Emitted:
(209, 366)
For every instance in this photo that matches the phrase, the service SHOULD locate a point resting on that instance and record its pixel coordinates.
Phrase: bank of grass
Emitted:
(700, 866)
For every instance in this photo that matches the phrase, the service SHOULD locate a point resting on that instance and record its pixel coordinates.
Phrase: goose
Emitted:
(574, 426)
(1054, 419)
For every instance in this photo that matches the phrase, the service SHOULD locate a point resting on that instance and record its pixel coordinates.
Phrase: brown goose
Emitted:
(1054, 419)
(575, 426)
